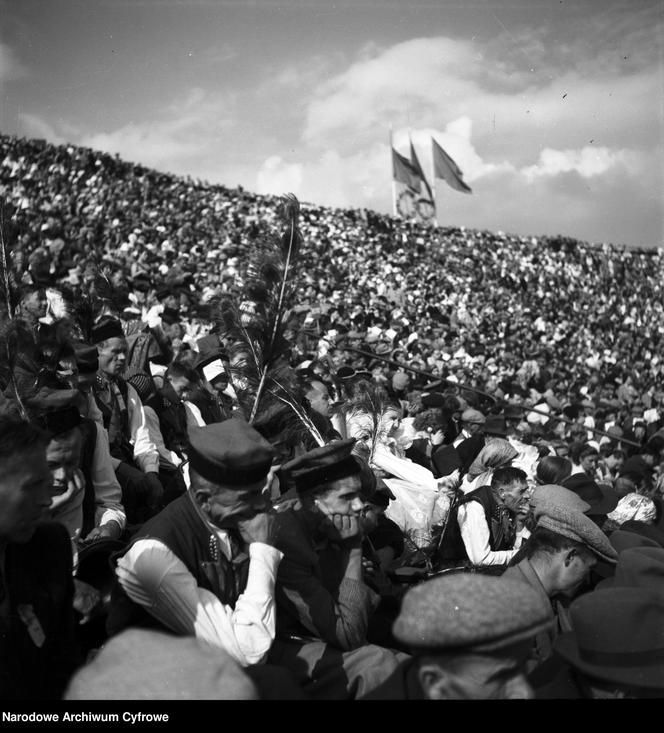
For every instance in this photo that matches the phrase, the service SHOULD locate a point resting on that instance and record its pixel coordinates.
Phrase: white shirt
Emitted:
(154, 578)
(475, 535)
(167, 458)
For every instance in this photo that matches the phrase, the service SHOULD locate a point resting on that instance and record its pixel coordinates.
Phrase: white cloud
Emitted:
(588, 162)
(276, 177)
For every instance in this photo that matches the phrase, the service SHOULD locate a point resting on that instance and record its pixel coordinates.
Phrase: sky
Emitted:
(553, 109)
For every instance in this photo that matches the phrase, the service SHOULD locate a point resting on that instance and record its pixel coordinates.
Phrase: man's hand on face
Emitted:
(347, 528)
(260, 528)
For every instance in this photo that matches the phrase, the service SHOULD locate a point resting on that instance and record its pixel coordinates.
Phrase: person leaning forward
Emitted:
(206, 565)
(470, 635)
(323, 603)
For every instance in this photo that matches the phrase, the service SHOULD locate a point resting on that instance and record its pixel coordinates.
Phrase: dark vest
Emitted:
(116, 417)
(172, 421)
(185, 534)
(501, 534)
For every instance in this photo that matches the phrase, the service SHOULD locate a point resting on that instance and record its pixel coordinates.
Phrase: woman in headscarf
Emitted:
(497, 454)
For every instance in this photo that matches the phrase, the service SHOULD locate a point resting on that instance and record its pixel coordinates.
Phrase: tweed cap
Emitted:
(558, 496)
(330, 462)
(472, 612)
(229, 452)
(577, 526)
(188, 669)
(473, 416)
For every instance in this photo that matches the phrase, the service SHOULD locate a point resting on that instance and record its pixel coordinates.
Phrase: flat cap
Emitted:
(229, 452)
(579, 527)
(330, 462)
(473, 416)
(107, 328)
(472, 612)
(189, 669)
(558, 496)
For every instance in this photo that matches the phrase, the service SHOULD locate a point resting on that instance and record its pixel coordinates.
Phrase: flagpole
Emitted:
(433, 188)
(394, 183)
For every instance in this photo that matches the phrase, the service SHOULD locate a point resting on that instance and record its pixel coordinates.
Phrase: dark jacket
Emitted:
(37, 659)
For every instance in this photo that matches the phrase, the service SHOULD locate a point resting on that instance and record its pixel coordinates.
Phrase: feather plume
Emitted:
(369, 405)
(253, 324)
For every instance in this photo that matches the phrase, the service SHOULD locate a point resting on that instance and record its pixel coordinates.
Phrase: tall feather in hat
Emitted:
(253, 325)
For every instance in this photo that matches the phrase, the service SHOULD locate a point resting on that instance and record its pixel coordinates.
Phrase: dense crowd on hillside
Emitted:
(448, 417)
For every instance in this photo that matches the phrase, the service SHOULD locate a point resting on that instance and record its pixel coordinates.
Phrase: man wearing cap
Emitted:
(615, 648)
(471, 424)
(324, 606)
(557, 558)
(206, 565)
(210, 397)
(470, 637)
(124, 420)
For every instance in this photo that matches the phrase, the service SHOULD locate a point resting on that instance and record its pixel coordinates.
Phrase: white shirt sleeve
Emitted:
(108, 494)
(168, 458)
(194, 417)
(153, 577)
(145, 450)
(475, 535)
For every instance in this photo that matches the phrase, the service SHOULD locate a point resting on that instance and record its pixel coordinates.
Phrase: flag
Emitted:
(444, 167)
(414, 161)
(404, 172)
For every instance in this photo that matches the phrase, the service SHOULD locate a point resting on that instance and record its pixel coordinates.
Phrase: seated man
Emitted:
(481, 530)
(131, 444)
(206, 565)
(324, 604)
(38, 651)
(556, 561)
(470, 636)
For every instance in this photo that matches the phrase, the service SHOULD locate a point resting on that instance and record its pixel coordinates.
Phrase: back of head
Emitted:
(139, 664)
(553, 469)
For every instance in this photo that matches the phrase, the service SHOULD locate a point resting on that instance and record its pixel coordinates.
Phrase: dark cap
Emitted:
(107, 328)
(495, 425)
(56, 410)
(618, 636)
(87, 358)
(229, 452)
(330, 462)
(602, 501)
(435, 399)
(472, 612)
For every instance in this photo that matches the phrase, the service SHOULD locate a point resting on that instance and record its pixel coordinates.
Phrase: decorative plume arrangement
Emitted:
(253, 327)
(15, 337)
(366, 409)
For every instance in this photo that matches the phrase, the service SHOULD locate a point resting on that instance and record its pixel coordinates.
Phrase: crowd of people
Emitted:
(452, 489)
